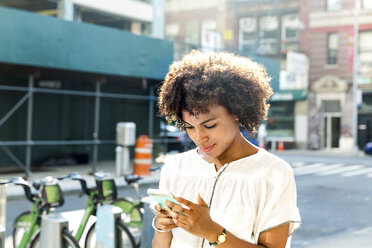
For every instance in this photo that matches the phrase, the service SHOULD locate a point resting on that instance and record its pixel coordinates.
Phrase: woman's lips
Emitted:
(206, 148)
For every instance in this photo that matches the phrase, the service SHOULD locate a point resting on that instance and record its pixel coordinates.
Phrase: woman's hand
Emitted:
(163, 220)
(195, 220)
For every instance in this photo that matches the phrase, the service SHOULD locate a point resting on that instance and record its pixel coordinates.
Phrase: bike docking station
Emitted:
(105, 226)
(125, 137)
(52, 226)
(147, 230)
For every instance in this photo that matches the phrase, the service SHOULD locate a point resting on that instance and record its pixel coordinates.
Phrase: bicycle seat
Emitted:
(132, 178)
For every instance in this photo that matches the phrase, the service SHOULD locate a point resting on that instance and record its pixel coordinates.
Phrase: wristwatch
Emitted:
(220, 238)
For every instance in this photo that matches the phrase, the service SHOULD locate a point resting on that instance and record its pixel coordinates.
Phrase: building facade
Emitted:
(268, 31)
(265, 31)
(328, 40)
(193, 24)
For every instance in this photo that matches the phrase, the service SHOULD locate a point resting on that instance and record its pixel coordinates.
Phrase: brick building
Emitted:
(328, 40)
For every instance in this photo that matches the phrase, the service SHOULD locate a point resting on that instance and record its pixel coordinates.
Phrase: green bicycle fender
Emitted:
(129, 208)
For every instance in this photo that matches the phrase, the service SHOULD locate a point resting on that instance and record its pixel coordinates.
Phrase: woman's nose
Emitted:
(200, 137)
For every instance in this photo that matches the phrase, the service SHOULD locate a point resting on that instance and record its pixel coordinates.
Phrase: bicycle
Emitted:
(26, 227)
(133, 209)
(104, 193)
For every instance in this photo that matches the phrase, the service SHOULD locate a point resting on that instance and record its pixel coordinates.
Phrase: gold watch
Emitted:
(220, 238)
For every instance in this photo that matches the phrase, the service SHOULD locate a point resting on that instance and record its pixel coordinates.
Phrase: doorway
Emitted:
(331, 123)
(331, 130)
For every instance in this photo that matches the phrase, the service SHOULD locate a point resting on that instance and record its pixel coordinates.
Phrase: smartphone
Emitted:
(160, 196)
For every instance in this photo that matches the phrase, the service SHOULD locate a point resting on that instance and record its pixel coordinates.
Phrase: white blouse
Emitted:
(252, 195)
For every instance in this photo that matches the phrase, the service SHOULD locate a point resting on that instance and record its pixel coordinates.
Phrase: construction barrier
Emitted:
(143, 156)
(280, 146)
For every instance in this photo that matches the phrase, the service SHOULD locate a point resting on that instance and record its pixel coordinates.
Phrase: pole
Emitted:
(29, 124)
(151, 112)
(96, 125)
(355, 76)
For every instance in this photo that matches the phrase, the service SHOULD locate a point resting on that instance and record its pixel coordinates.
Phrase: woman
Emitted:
(233, 194)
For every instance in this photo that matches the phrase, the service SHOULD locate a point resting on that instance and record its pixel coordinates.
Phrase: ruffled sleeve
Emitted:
(277, 200)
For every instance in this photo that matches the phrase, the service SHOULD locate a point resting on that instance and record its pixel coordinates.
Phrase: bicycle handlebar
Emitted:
(76, 176)
(25, 185)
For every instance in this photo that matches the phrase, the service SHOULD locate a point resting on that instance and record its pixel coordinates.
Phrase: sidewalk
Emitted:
(14, 191)
(360, 238)
(324, 152)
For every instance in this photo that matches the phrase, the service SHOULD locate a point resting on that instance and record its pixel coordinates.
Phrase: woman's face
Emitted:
(213, 132)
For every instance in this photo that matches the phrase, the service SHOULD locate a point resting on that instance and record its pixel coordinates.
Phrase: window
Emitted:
(331, 106)
(209, 24)
(332, 48)
(334, 5)
(247, 34)
(210, 39)
(366, 4)
(281, 119)
(172, 31)
(268, 35)
(192, 33)
(365, 53)
(290, 31)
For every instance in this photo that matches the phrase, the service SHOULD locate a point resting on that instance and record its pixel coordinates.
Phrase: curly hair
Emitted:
(201, 80)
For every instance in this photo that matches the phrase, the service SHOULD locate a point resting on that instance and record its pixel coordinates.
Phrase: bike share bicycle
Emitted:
(26, 227)
(104, 193)
(133, 209)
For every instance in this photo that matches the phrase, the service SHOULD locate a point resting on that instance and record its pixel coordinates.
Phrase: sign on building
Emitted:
(296, 75)
(210, 41)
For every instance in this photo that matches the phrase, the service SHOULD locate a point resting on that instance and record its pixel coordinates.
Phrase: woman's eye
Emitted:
(211, 126)
(189, 127)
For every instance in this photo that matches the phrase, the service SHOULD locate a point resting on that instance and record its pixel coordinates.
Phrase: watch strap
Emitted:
(217, 242)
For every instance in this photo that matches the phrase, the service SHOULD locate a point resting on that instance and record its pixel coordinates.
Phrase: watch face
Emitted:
(221, 238)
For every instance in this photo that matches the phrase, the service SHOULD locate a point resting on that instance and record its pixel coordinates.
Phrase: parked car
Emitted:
(173, 137)
(368, 148)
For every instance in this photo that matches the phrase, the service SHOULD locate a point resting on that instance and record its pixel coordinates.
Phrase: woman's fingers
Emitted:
(165, 223)
(176, 208)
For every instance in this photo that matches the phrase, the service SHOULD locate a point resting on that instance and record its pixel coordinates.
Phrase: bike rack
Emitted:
(52, 226)
(2, 214)
(147, 230)
(105, 226)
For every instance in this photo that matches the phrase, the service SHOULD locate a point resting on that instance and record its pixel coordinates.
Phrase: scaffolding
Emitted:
(95, 142)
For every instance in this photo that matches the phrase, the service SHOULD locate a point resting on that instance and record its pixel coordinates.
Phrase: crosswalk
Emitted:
(327, 169)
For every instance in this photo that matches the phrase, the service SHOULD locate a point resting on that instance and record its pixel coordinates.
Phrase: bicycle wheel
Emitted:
(132, 217)
(68, 241)
(125, 238)
(21, 224)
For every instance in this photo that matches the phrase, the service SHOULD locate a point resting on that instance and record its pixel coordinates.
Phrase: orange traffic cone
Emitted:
(280, 146)
(143, 156)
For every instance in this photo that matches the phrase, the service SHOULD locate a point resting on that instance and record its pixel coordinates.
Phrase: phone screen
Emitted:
(161, 197)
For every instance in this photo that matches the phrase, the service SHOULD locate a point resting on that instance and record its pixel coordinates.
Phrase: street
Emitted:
(334, 197)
